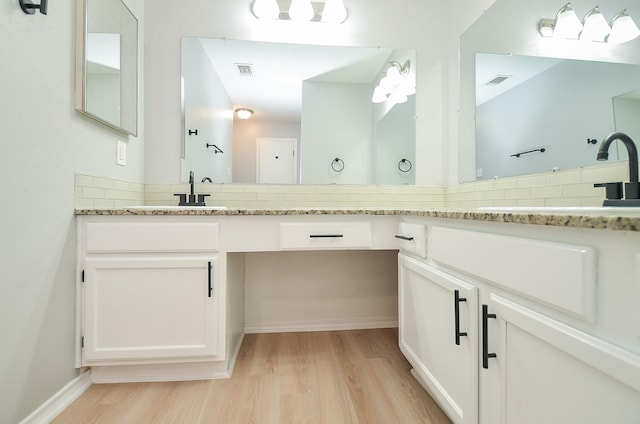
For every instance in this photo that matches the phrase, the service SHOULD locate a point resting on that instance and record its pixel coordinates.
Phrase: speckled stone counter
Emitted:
(620, 219)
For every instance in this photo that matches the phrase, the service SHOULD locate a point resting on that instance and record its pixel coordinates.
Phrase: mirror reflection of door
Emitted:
(276, 160)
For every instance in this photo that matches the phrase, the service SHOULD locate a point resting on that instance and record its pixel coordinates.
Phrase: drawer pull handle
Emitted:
(404, 238)
(456, 305)
(326, 235)
(210, 282)
(485, 337)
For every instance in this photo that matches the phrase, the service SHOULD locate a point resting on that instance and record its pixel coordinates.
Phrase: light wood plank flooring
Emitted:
(335, 377)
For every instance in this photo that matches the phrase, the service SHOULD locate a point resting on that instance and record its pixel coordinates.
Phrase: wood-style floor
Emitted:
(335, 377)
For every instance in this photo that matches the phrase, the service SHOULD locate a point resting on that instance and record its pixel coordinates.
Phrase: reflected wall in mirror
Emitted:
(535, 114)
(107, 64)
(559, 92)
(318, 95)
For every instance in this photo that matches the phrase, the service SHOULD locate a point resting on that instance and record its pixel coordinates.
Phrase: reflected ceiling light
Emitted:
(244, 113)
(394, 86)
(567, 23)
(595, 27)
(623, 28)
(266, 9)
(301, 11)
(334, 12)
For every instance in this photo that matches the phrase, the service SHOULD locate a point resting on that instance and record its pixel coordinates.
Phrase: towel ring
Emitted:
(337, 165)
(405, 165)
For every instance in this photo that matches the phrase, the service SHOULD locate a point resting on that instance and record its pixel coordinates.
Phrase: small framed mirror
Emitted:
(107, 64)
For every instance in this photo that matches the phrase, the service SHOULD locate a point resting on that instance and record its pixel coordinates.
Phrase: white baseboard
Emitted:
(321, 325)
(59, 401)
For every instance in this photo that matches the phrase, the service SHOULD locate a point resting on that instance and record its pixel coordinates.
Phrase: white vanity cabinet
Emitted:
(544, 341)
(150, 291)
(545, 371)
(437, 332)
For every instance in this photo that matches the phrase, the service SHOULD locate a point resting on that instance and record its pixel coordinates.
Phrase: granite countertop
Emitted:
(623, 219)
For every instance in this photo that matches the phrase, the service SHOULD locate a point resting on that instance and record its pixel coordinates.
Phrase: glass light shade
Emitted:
(266, 9)
(596, 27)
(398, 97)
(393, 74)
(334, 12)
(379, 95)
(387, 85)
(244, 113)
(623, 29)
(407, 88)
(301, 10)
(567, 23)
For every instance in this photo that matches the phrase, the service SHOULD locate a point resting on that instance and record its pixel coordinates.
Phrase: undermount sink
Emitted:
(178, 208)
(579, 210)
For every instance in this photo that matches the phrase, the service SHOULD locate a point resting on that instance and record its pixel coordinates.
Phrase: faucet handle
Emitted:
(632, 190)
(612, 190)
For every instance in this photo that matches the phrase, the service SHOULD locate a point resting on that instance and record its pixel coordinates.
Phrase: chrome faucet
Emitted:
(614, 196)
(192, 195)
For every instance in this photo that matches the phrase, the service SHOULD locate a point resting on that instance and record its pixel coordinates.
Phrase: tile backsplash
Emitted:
(572, 187)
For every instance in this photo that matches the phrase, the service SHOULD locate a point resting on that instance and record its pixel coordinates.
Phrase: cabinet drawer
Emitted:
(560, 275)
(151, 237)
(312, 236)
(413, 238)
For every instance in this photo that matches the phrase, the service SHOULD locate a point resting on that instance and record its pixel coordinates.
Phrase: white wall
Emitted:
(414, 24)
(337, 122)
(45, 142)
(208, 110)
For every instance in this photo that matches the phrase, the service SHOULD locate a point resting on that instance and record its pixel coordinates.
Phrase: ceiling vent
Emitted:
(245, 69)
(498, 79)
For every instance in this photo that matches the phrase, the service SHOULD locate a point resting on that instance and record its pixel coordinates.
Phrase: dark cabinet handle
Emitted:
(456, 306)
(210, 282)
(485, 337)
(326, 235)
(404, 238)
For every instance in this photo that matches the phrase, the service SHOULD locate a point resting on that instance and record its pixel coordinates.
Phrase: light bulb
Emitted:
(334, 12)
(623, 29)
(379, 95)
(266, 9)
(301, 10)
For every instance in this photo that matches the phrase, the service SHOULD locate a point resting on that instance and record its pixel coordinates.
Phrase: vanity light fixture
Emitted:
(623, 28)
(244, 113)
(301, 11)
(567, 23)
(266, 9)
(594, 27)
(329, 11)
(29, 8)
(394, 86)
(334, 12)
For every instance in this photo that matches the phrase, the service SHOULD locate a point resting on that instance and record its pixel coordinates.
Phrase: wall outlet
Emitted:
(121, 153)
(479, 172)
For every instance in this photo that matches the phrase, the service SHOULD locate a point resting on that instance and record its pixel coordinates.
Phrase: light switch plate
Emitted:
(121, 153)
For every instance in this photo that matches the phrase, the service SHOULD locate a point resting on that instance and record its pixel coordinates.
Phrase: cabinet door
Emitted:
(149, 308)
(547, 372)
(427, 305)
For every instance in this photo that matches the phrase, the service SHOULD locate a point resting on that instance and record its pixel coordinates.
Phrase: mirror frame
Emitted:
(82, 20)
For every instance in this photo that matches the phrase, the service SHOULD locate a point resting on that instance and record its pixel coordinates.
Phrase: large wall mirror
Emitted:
(107, 63)
(313, 119)
(531, 104)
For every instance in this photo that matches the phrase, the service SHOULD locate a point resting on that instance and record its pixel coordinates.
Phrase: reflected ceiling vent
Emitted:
(498, 79)
(245, 69)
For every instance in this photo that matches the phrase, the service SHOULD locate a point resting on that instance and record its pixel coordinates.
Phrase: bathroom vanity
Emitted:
(505, 316)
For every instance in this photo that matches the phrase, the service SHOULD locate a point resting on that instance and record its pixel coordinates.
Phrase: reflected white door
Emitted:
(276, 160)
